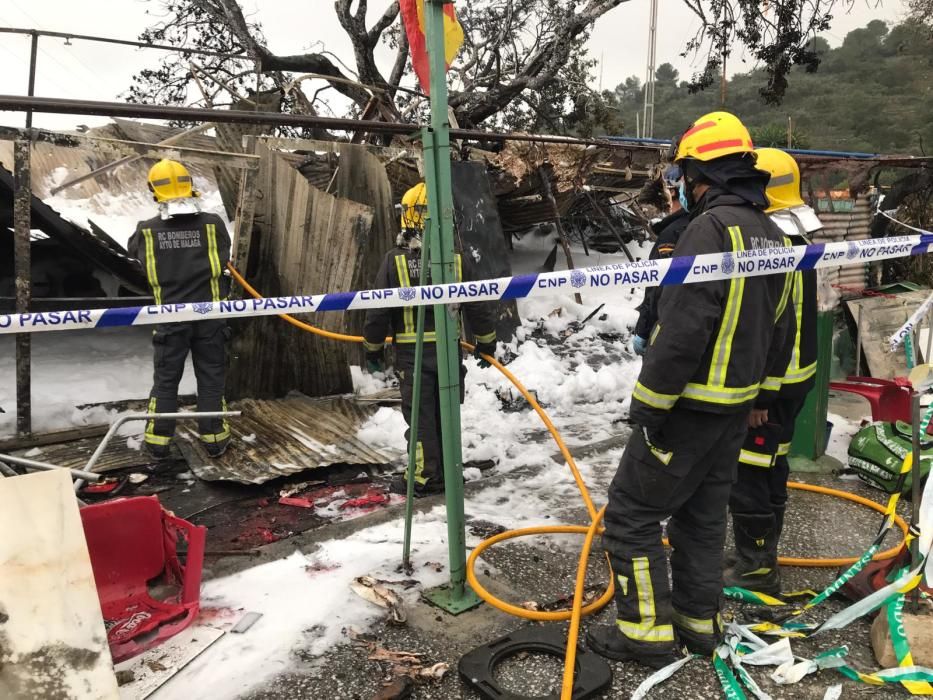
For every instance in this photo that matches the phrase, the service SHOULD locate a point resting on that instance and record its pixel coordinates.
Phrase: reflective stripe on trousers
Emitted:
(647, 629)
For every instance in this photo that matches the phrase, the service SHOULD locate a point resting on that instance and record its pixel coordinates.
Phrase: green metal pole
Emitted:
(415, 411)
(446, 322)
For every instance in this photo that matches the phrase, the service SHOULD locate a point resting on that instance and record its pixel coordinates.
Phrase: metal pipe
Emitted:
(858, 341)
(22, 257)
(123, 42)
(32, 464)
(129, 417)
(842, 155)
(143, 416)
(31, 90)
(7, 471)
(916, 492)
(926, 356)
(436, 139)
(55, 105)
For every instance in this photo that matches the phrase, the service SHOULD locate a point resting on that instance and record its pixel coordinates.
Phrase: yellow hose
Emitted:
(590, 531)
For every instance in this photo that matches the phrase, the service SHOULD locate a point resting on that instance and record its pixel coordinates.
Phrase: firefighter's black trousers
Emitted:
(171, 342)
(429, 463)
(760, 487)
(683, 471)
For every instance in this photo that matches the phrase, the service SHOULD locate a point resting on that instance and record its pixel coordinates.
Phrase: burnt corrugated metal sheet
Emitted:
(75, 455)
(122, 191)
(95, 247)
(286, 436)
(850, 221)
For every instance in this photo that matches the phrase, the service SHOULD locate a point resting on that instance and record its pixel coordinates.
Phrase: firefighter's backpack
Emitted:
(877, 453)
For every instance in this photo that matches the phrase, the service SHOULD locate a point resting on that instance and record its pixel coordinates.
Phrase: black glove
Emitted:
(484, 349)
(375, 362)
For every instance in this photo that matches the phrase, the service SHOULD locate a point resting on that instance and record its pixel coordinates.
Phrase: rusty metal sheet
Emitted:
(275, 438)
(75, 454)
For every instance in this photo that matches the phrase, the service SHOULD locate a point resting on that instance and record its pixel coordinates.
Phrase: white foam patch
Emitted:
(306, 604)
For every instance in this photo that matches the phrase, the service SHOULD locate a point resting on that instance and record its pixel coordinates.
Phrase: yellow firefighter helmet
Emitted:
(784, 186)
(168, 180)
(714, 135)
(415, 207)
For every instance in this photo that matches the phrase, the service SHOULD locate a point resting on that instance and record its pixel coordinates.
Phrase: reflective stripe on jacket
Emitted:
(717, 343)
(402, 268)
(183, 257)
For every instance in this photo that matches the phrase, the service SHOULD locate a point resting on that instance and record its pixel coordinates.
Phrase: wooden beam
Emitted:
(55, 438)
(22, 255)
(134, 148)
(246, 211)
(392, 152)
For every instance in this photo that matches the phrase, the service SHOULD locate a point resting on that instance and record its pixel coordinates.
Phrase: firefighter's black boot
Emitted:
(732, 555)
(699, 636)
(216, 449)
(756, 567)
(399, 486)
(608, 641)
(160, 453)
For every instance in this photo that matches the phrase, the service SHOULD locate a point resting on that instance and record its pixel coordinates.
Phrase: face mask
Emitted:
(684, 201)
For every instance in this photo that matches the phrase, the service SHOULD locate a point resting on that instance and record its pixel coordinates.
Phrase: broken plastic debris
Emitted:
(245, 622)
(102, 487)
(296, 501)
(370, 499)
(137, 478)
(249, 438)
(370, 589)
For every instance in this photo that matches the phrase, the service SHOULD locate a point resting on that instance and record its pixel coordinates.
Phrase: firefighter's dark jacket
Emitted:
(800, 375)
(183, 257)
(668, 231)
(402, 268)
(719, 347)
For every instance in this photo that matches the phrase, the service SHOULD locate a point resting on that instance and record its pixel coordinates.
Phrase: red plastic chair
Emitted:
(133, 543)
(889, 399)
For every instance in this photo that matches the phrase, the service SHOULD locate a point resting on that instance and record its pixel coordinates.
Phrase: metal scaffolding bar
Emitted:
(56, 105)
(123, 42)
(456, 598)
(22, 256)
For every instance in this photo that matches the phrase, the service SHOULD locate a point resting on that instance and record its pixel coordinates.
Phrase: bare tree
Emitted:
(524, 62)
(921, 11)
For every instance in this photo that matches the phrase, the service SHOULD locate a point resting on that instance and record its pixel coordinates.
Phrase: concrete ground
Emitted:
(543, 572)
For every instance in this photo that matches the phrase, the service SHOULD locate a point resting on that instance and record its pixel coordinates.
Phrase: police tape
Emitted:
(903, 333)
(688, 269)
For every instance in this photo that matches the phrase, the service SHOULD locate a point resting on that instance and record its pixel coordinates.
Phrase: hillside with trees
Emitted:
(872, 93)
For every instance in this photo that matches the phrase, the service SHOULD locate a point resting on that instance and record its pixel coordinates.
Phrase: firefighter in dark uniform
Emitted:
(184, 253)
(759, 495)
(713, 347)
(402, 267)
(668, 231)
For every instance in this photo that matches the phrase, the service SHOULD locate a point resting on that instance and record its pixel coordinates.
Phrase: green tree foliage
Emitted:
(873, 93)
(775, 136)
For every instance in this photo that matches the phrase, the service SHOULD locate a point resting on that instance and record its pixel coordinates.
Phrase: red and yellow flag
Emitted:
(413, 18)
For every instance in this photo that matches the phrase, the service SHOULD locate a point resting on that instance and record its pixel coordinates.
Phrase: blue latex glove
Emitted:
(639, 344)
(375, 362)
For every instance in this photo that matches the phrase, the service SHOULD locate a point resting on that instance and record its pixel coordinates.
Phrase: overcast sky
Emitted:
(102, 71)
